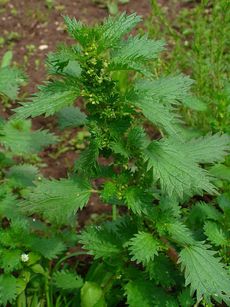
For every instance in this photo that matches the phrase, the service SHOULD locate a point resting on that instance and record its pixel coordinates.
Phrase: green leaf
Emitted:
(7, 58)
(162, 271)
(64, 61)
(17, 136)
(178, 175)
(220, 171)
(143, 247)
(215, 234)
(116, 27)
(22, 175)
(135, 49)
(194, 103)
(51, 98)
(166, 90)
(67, 280)
(10, 260)
(92, 295)
(205, 273)
(71, 117)
(223, 201)
(185, 298)
(77, 30)
(49, 248)
(137, 138)
(57, 200)
(207, 149)
(137, 200)
(100, 242)
(10, 81)
(87, 162)
(160, 115)
(139, 294)
(8, 289)
(180, 233)
(109, 192)
(144, 293)
(202, 211)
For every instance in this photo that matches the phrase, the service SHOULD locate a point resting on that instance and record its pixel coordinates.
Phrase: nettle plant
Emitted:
(161, 246)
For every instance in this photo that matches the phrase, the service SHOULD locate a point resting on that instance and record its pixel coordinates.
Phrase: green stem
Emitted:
(48, 304)
(114, 212)
(67, 257)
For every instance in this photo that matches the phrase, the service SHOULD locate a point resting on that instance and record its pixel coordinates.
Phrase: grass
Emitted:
(198, 39)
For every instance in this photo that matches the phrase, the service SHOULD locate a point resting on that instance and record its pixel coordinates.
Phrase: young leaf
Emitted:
(143, 247)
(116, 27)
(137, 200)
(77, 30)
(205, 273)
(87, 162)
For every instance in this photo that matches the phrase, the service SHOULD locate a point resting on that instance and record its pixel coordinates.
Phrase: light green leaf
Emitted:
(92, 295)
(220, 171)
(207, 149)
(215, 234)
(100, 242)
(57, 200)
(17, 136)
(49, 248)
(116, 27)
(180, 233)
(137, 200)
(7, 58)
(8, 289)
(67, 280)
(194, 103)
(136, 49)
(205, 274)
(10, 81)
(51, 98)
(22, 175)
(10, 260)
(143, 247)
(178, 175)
(71, 117)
